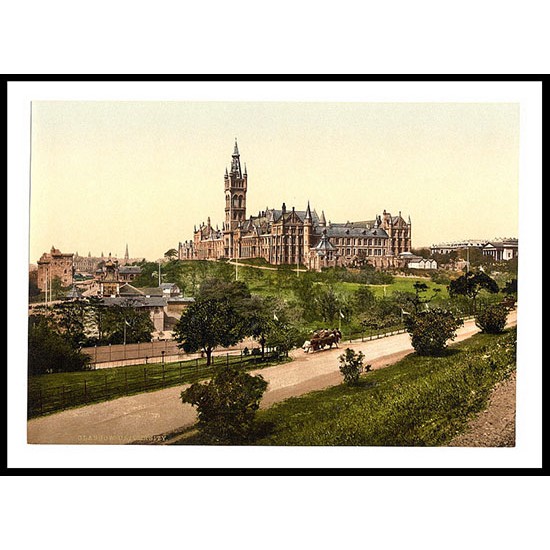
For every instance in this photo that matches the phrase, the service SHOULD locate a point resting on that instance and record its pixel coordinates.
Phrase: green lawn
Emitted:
(419, 401)
(50, 393)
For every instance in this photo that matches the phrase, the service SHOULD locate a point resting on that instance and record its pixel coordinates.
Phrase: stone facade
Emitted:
(90, 264)
(55, 264)
(290, 236)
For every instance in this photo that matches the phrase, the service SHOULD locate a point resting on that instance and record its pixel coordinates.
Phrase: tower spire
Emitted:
(126, 255)
(308, 212)
(236, 162)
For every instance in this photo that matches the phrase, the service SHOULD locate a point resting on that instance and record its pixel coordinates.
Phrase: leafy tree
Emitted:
(226, 405)
(57, 289)
(430, 330)
(50, 351)
(364, 299)
(33, 284)
(471, 284)
(72, 320)
(208, 323)
(171, 254)
(511, 287)
(492, 319)
(328, 303)
(304, 292)
(127, 323)
(283, 337)
(351, 366)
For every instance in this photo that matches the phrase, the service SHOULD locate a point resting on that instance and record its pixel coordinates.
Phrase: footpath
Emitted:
(147, 416)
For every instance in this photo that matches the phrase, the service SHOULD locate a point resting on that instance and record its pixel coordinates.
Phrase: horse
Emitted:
(322, 338)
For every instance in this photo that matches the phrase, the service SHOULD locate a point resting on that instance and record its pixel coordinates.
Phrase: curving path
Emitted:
(145, 416)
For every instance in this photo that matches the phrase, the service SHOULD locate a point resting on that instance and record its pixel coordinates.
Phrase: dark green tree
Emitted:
(226, 405)
(328, 303)
(209, 323)
(511, 287)
(171, 254)
(471, 284)
(50, 351)
(430, 330)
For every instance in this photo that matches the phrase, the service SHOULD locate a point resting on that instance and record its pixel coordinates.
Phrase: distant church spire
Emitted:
(126, 255)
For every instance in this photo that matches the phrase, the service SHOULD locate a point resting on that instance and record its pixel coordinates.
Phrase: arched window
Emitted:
(235, 201)
(240, 201)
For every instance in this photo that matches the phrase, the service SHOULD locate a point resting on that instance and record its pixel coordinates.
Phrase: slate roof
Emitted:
(134, 301)
(343, 230)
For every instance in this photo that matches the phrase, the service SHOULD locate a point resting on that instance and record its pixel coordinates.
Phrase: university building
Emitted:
(290, 236)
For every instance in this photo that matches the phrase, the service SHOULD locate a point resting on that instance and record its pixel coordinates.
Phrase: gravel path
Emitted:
(143, 417)
(496, 426)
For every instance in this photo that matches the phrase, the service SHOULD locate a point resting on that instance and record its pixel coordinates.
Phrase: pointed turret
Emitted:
(308, 213)
(322, 220)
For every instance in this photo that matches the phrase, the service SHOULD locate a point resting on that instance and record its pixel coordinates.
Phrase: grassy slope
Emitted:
(419, 401)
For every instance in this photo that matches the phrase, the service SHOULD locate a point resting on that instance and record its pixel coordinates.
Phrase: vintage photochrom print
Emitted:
(273, 273)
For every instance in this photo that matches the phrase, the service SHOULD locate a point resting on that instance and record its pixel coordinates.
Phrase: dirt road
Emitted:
(145, 416)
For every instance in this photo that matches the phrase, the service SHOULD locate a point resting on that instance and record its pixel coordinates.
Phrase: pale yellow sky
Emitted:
(104, 174)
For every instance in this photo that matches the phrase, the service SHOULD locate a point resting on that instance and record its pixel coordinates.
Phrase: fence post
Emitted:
(163, 372)
(110, 352)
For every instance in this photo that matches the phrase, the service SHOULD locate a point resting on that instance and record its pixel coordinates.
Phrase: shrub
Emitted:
(351, 366)
(492, 319)
(226, 405)
(50, 351)
(430, 330)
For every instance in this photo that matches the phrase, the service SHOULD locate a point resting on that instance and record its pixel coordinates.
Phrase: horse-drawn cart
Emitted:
(322, 338)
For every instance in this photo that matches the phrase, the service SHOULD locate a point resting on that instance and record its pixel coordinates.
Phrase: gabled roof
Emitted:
(152, 291)
(129, 290)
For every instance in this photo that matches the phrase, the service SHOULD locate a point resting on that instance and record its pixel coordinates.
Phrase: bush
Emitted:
(492, 319)
(226, 405)
(50, 351)
(431, 329)
(351, 366)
